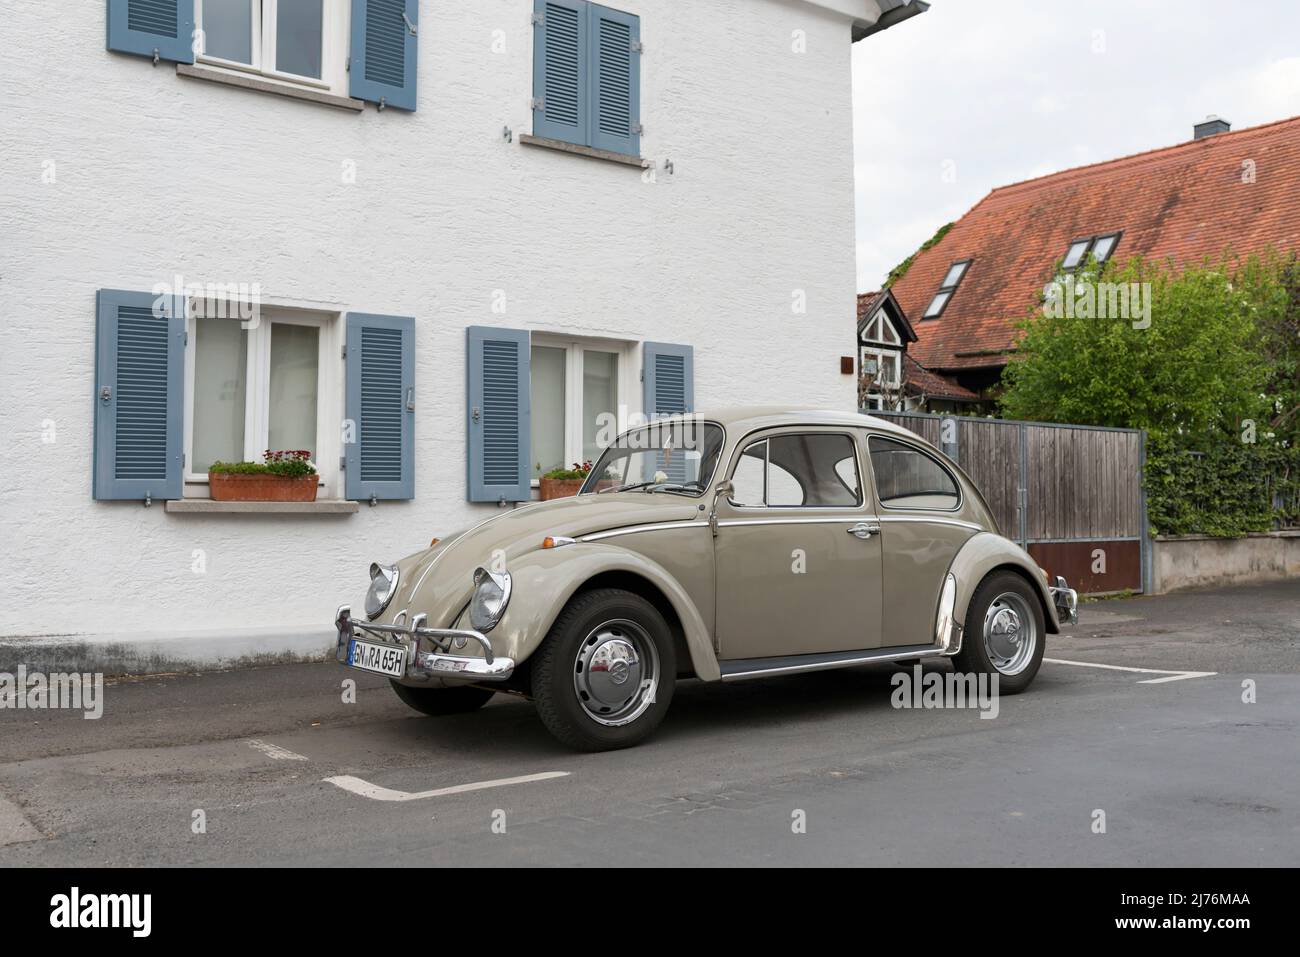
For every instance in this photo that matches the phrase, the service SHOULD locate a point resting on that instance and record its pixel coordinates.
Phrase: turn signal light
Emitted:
(434, 541)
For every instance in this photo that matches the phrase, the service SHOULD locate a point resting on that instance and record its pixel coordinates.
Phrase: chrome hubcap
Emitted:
(616, 672)
(1010, 633)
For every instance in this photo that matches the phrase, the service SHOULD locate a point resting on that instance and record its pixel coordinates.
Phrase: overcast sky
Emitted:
(997, 91)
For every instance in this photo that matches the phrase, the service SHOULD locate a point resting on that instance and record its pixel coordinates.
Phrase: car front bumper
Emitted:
(427, 649)
(1066, 600)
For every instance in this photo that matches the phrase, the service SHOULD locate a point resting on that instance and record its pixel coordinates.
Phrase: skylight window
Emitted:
(1099, 246)
(956, 272)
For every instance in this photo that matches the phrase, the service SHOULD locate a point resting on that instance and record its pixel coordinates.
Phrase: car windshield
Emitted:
(672, 456)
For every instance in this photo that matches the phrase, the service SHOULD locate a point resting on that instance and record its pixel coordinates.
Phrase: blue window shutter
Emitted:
(499, 418)
(560, 71)
(614, 39)
(669, 373)
(385, 44)
(149, 27)
(380, 407)
(139, 395)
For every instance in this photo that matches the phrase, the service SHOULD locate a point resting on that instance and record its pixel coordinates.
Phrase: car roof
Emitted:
(741, 419)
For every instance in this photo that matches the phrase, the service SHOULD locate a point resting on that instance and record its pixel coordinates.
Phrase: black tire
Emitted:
(591, 621)
(974, 656)
(443, 701)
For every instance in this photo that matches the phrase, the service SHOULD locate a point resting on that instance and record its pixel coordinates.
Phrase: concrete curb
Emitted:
(161, 653)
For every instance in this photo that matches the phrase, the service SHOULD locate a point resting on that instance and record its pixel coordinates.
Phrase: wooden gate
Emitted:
(1071, 495)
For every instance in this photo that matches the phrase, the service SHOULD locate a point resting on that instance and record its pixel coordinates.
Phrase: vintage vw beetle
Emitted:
(741, 544)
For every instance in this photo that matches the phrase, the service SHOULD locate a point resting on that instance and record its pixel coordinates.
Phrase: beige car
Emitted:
(742, 544)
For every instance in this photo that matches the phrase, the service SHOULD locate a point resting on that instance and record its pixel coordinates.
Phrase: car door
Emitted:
(920, 510)
(797, 552)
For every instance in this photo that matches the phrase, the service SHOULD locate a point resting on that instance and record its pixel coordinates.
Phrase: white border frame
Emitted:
(335, 38)
(329, 391)
(625, 350)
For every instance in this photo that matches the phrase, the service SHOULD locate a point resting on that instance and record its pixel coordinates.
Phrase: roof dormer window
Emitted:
(1100, 247)
(956, 272)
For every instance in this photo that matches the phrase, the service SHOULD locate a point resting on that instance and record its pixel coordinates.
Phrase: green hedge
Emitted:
(1227, 490)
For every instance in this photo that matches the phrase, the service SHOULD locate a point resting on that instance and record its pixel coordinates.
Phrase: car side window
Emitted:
(808, 470)
(908, 478)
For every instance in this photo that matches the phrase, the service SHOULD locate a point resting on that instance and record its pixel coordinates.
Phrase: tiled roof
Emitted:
(918, 380)
(1183, 202)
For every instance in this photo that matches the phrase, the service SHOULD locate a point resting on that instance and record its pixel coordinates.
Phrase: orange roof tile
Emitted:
(1182, 202)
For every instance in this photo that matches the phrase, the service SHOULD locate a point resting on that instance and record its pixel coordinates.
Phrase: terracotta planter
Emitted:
(261, 488)
(563, 488)
(559, 488)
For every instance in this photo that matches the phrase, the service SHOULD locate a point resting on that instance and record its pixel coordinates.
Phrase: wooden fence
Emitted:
(1070, 495)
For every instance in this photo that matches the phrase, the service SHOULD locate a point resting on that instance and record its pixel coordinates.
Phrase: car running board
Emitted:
(740, 669)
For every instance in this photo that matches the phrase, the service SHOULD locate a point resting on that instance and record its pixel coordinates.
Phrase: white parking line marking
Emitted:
(376, 793)
(1169, 675)
(275, 751)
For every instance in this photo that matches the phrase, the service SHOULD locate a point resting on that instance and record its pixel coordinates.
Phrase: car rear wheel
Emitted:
(443, 701)
(603, 678)
(1004, 633)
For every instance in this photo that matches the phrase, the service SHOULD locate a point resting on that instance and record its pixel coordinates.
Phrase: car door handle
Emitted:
(863, 530)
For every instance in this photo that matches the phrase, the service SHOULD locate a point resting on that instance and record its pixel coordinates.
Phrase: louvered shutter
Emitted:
(560, 70)
(139, 395)
(669, 373)
(614, 40)
(380, 407)
(149, 27)
(385, 43)
(498, 428)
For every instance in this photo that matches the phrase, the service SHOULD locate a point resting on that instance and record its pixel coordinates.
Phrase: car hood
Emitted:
(439, 580)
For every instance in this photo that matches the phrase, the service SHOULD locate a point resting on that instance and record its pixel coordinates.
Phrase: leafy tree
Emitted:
(1194, 370)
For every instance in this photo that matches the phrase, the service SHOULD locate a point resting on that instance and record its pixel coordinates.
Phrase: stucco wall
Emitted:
(157, 175)
(1189, 561)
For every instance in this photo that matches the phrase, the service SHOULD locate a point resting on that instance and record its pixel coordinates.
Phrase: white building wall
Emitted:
(156, 175)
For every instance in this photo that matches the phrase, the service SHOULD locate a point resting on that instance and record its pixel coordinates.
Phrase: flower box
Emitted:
(225, 487)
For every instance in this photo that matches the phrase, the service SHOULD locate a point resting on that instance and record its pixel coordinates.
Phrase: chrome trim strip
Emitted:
(932, 520)
(825, 664)
(633, 529)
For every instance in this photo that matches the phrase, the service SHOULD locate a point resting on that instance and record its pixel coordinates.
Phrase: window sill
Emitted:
(200, 72)
(206, 506)
(527, 139)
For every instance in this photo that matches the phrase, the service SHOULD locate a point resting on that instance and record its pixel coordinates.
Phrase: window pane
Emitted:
(954, 275)
(228, 29)
(748, 477)
(1074, 255)
(547, 373)
(936, 305)
(1102, 249)
(804, 471)
(295, 359)
(298, 37)
(220, 370)
(599, 398)
(889, 368)
(907, 479)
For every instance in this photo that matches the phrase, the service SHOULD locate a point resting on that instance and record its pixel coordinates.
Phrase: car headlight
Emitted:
(383, 586)
(491, 595)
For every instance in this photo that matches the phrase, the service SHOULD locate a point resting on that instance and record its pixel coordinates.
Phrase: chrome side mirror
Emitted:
(725, 487)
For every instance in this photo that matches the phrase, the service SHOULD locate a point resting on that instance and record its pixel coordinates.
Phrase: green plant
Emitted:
(286, 464)
(579, 470)
(899, 271)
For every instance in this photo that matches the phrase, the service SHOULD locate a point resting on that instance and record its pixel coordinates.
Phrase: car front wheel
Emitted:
(603, 678)
(1004, 633)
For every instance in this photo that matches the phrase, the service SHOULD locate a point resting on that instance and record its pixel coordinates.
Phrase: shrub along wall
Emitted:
(1230, 489)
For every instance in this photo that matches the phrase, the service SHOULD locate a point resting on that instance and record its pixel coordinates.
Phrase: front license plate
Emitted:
(381, 659)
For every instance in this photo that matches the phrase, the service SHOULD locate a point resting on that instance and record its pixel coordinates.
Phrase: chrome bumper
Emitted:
(1066, 600)
(426, 648)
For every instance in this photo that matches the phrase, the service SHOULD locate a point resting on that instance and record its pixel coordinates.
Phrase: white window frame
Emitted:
(328, 448)
(335, 30)
(574, 347)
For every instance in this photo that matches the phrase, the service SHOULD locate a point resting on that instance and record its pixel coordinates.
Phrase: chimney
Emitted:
(1212, 125)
